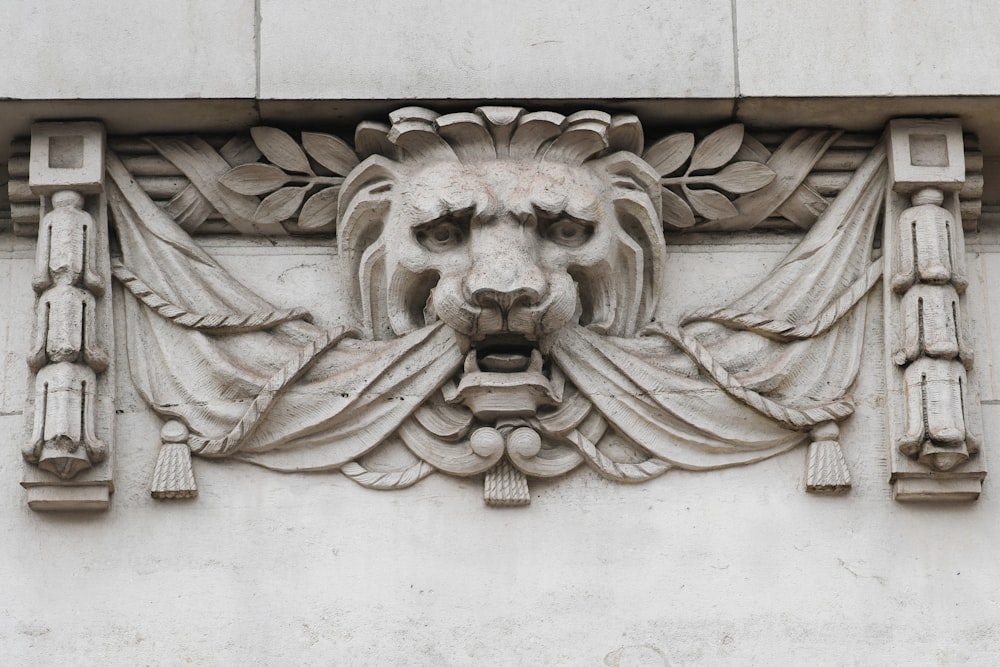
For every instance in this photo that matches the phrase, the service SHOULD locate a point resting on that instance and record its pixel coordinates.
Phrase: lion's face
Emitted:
(502, 251)
(504, 225)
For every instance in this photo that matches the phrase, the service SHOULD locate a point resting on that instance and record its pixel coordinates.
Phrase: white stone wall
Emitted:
(733, 567)
(425, 49)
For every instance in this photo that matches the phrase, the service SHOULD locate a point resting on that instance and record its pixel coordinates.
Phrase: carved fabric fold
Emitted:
(834, 258)
(356, 393)
(351, 398)
(651, 392)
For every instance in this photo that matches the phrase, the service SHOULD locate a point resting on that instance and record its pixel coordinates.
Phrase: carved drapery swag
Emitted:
(506, 267)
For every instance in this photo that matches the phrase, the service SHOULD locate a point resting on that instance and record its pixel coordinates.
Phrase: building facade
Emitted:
(447, 333)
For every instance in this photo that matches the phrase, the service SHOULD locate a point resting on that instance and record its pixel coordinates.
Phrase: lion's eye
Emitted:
(568, 232)
(441, 235)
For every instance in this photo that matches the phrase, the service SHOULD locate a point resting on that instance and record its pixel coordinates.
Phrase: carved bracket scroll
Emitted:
(935, 430)
(69, 416)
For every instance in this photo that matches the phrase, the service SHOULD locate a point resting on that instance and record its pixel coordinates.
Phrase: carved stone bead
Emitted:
(486, 442)
(924, 247)
(931, 324)
(66, 245)
(65, 327)
(525, 441)
(63, 440)
(934, 405)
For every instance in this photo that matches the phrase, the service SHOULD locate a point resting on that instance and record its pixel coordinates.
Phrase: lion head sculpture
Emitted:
(504, 263)
(503, 224)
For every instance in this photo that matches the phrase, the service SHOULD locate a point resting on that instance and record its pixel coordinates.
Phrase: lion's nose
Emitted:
(505, 275)
(505, 301)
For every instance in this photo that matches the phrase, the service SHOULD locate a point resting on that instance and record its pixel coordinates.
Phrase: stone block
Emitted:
(55, 49)
(66, 156)
(926, 153)
(69, 498)
(934, 47)
(984, 303)
(926, 489)
(518, 49)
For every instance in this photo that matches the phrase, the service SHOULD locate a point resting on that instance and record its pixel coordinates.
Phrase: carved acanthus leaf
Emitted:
(254, 179)
(710, 170)
(709, 204)
(321, 209)
(670, 153)
(331, 152)
(291, 179)
(278, 147)
(743, 177)
(717, 148)
(281, 204)
(676, 209)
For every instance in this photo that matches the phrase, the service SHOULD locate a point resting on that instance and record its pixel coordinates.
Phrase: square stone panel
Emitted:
(67, 156)
(858, 47)
(519, 49)
(54, 49)
(926, 153)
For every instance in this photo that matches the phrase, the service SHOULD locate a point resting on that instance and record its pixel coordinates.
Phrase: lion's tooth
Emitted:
(536, 360)
(471, 364)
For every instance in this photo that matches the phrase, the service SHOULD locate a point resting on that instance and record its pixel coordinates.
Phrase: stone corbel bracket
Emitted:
(934, 418)
(69, 415)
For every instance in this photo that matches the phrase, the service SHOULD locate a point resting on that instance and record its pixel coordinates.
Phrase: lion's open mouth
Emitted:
(507, 353)
(504, 376)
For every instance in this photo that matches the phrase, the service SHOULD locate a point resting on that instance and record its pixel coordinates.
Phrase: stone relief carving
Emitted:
(72, 333)
(936, 442)
(506, 267)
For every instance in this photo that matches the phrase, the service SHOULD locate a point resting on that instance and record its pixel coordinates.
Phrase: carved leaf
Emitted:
(278, 147)
(717, 148)
(321, 209)
(669, 154)
(710, 204)
(254, 179)
(281, 205)
(675, 211)
(330, 151)
(741, 177)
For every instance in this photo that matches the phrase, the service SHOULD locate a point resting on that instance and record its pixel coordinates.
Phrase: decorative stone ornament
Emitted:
(505, 270)
(71, 398)
(935, 428)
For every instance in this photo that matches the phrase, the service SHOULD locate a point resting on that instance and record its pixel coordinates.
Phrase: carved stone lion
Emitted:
(505, 226)
(506, 267)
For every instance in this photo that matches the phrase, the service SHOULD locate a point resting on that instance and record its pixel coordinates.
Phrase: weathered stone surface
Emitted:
(142, 49)
(349, 566)
(504, 267)
(984, 301)
(855, 48)
(735, 567)
(518, 49)
(933, 408)
(344, 569)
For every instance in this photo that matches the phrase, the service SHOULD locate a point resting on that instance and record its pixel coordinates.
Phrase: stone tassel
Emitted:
(173, 476)
(505, 486)
(826, 468)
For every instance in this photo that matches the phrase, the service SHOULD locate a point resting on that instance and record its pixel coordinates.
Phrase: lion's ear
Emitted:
(628, 171)
(635, 193)
(625, 134)
(368, 186)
